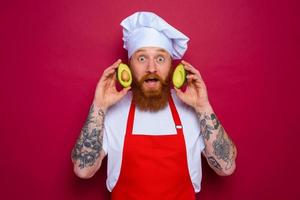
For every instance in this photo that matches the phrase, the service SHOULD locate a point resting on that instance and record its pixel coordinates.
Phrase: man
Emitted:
(153, 136)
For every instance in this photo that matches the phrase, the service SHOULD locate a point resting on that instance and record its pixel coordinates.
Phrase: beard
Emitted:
(152, 99)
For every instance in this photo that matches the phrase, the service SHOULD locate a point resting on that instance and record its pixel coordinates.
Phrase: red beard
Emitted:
(151, 100)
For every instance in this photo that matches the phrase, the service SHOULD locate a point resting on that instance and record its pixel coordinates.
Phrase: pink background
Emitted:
(52, 55)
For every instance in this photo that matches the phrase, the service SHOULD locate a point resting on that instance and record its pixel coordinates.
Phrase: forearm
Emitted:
(219, 150)
(87, 153)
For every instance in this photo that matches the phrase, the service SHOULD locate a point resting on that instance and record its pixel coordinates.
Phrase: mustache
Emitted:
(153, 76)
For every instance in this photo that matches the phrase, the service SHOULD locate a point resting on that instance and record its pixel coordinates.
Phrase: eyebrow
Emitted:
(160, 50)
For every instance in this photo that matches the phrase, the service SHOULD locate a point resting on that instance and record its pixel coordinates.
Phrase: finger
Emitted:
(186, 63)
(108, 75)
(124, 91)
(194, 79)
(116, 64)
(194, 72)
(112, 80)
(179, 93)
(108, 72)
(191, 68)
(190, 82)
(112, 68)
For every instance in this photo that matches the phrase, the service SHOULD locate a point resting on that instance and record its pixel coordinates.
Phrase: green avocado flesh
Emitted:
(124, 75)
(179, 76)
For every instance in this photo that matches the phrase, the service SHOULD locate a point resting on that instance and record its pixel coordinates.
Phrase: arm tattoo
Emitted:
(214, 163)
(206, 129)
(89, 144)
(223, 147)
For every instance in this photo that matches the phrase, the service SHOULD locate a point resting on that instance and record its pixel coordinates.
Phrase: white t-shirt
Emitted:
(151, 123)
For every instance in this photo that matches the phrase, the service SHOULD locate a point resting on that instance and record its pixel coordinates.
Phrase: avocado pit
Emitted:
(124, 75)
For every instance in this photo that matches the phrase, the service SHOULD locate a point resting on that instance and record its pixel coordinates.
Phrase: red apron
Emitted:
(154, 167)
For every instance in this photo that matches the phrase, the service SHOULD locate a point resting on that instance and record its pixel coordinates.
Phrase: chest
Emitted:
(158, 123)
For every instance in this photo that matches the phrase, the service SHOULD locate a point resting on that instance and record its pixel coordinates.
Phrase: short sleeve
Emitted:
(202, 144)
(104, 144)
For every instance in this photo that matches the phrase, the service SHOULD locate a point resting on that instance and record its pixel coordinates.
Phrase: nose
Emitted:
(151, 67)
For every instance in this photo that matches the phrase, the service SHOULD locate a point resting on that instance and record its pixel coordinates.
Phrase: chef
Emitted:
(152, 135)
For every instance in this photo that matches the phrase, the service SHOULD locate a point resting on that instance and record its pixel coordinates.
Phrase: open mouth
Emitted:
(151, 80)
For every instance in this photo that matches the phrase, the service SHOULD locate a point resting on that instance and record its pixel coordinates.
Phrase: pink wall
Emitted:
(53, 53)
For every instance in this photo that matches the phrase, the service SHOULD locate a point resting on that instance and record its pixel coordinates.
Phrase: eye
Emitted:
(141, 58)
(160, 59)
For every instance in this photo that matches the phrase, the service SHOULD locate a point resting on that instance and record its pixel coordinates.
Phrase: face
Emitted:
(151, 67)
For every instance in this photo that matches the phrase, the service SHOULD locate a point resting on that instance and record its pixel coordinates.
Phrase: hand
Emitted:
(195, 94)
(106, 93)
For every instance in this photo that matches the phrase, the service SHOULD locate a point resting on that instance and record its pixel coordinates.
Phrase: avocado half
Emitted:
(179, 76)
(124, 75)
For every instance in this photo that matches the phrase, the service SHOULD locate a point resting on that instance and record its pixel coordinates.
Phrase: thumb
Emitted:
(179, 93)
(124, 91)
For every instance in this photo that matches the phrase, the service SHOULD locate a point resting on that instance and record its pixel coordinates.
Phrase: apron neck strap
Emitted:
(174, 112)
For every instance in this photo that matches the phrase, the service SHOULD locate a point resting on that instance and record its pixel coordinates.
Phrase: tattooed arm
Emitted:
(87, 153)
(219, 151)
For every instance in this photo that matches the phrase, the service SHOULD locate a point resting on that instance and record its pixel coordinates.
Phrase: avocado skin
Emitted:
(121, 68)
(179, 76)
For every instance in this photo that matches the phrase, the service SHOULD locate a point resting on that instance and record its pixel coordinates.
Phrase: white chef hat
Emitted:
(146, 29)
